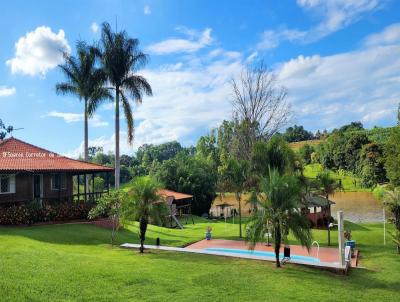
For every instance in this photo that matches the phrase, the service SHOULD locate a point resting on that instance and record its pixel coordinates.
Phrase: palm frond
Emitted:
(128, 117)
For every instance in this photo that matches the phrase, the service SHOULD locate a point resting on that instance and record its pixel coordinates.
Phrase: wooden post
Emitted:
(93, 187)
(108, 182)
(79, 189)
(85, 186)
(59, 187)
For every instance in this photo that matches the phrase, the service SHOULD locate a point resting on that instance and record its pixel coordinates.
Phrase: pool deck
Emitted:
(329, 257)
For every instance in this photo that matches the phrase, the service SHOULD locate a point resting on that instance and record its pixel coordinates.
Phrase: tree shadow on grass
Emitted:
(78, 234)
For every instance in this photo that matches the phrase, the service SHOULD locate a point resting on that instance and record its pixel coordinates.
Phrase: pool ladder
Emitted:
(317, 244)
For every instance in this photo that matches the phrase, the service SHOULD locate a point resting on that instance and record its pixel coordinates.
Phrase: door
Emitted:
(37, 186)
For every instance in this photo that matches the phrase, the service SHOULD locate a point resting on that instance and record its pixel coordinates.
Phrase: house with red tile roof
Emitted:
(28, 172)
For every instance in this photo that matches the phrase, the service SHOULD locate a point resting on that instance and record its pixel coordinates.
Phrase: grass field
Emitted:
(76, 263)
(297, 145)
(349, 183)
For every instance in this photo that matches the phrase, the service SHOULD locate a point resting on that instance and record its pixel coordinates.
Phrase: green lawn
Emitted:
(75, 262)
(312, 170)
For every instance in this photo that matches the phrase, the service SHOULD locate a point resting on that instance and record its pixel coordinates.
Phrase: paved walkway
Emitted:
(329, 257)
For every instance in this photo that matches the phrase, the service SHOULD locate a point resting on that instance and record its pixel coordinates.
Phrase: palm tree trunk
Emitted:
(86, 143)
(277, 244)
(86, 135)
(143, 229)
(117, 164)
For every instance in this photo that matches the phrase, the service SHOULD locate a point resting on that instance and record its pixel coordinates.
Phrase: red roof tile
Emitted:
(16, 155)
(175, 195)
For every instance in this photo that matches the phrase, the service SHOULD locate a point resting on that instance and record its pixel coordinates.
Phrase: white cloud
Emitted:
(390, 35)
(94, 27)
(94, 121)
(358, 85)
(147, 10)
(39, 51)
(334, 14)
(7, 91)
(194, 41)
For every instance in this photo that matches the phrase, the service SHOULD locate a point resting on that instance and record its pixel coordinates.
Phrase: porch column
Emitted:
(341, 237)
(59, 187)
(77, 181)
(93, 187)
(108, 182)
(85, 186)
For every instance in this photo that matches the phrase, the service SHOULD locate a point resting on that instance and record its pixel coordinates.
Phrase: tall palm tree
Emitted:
(145, 204)
(327, 185)
(121, 59)
(84, 80)
(279, 201)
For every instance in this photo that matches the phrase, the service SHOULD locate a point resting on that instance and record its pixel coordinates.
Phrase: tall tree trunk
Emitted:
(277, 240)
(86, 134)
(143, 229)
(238, 198)
(117, 165)
(86, 143)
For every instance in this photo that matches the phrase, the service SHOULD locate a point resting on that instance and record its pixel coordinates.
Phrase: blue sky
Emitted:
(340, 61)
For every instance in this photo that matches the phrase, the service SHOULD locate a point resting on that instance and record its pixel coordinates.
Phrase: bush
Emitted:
(35, 212)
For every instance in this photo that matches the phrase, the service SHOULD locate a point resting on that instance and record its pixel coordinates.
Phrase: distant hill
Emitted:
(378, 135)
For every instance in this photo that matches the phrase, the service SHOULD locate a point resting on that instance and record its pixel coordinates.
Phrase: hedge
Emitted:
(35, 212)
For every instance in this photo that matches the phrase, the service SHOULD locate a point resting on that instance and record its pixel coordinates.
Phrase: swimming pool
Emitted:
(260, 253)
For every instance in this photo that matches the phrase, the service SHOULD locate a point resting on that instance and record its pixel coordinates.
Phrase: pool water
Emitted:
(259, 253)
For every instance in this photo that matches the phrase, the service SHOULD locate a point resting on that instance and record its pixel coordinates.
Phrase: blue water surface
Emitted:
(259, 253)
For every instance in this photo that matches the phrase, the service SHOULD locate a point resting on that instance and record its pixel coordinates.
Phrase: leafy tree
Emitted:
(4, 130)
(371, 165)
(353, 126)
(114, 206)
(192, 175)
(233, 178)
(297, 134)
(352, 150)
(276, 154)
(145, 205)
(392, 155)
(326, 184)
(393, 199)
(305, 153)
(121, 59)
(278, 213)
(85, 81)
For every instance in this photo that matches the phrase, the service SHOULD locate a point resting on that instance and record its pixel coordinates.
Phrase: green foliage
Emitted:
(393, 201)
(326, 184)
(297, 134)
(4, 130)
(192, 175)
(280, 198)
(306, 152)
(371, 165)
(144, 204)
(276, 154)
(392, 155)
(47, 212)
(99, 184)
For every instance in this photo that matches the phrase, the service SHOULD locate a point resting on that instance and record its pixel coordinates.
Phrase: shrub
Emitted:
(36, 212)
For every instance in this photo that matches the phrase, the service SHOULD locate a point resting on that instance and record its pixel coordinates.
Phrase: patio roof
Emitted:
(317, 201)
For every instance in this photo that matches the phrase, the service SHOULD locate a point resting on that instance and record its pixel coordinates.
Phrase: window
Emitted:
(56, 179)
(7, 183)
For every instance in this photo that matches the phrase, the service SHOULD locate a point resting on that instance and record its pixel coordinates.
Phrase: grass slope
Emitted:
(76, 263)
